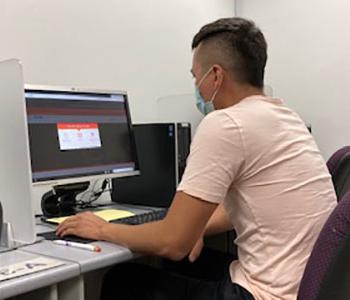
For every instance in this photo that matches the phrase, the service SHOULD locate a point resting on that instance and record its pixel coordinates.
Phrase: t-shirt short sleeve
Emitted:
(216, 157)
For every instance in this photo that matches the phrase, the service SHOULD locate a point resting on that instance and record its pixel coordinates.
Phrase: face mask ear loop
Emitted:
(214, 95)
(204, 76)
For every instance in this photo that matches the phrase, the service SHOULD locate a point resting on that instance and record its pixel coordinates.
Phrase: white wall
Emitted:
(309, 61)
(142, 47)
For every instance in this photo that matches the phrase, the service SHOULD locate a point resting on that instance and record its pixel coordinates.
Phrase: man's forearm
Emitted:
(173, 237)
(141, 238)
(219, 222)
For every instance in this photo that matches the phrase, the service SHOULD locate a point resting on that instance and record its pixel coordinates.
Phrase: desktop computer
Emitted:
(162, 152)
(80, 135)
(75, 136)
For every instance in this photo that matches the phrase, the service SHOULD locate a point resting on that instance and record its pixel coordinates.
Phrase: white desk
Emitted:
(62, 282)
(46, 278)
(87, 260)
(66, 282)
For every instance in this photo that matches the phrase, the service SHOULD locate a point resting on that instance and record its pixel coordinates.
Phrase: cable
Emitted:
(94, 195)
(110, 187)
(81, 199)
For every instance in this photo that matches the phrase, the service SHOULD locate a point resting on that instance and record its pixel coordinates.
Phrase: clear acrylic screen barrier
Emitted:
(182, 108)
(179, 108)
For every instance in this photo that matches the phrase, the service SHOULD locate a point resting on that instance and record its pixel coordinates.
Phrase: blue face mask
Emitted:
(205, 107)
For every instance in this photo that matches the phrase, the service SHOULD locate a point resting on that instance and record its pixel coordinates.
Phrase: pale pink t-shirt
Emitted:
(260, 160)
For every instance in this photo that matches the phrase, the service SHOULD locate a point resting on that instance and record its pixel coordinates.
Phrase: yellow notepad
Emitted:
(106, 214)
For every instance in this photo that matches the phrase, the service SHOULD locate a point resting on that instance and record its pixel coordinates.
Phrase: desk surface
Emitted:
(110, 253)
(77, 261)
(88, 260)
(20, 285)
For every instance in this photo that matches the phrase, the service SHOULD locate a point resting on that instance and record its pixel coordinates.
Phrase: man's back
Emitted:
(278, 195)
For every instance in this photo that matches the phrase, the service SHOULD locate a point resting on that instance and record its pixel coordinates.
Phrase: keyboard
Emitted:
(51, 235)
(149, 216)
(145, 217)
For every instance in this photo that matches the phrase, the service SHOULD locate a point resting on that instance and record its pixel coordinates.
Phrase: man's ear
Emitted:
(219, 75)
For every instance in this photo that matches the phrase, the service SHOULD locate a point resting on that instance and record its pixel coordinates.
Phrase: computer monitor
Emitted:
(79, 135)
(162, 152)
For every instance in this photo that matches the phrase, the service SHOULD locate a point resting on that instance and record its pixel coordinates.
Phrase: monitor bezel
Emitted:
(89, 177)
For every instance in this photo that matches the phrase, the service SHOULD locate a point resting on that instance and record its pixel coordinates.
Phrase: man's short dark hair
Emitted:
(238, 45)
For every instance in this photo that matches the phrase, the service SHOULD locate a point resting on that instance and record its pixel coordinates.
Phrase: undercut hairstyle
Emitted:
(237, 45)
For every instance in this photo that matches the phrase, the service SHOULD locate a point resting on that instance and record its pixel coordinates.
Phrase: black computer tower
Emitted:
(183, 147)
(162, 150)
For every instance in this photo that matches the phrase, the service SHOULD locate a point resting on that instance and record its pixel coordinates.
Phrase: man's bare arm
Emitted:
(173, 237)
(219, 222)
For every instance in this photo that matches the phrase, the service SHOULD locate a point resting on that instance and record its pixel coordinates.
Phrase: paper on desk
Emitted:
(113, 214)
(28, 266)
(106, 214)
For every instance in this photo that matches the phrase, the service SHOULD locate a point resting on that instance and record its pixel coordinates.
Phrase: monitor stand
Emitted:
(7, 242)
(61, 201)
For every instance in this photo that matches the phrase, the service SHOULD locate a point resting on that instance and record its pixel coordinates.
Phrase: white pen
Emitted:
(78, 245)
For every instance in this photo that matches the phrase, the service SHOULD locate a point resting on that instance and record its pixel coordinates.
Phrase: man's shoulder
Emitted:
(217, 121)
(251, 103)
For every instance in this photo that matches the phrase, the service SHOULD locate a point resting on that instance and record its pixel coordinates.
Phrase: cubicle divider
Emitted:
(15, 176)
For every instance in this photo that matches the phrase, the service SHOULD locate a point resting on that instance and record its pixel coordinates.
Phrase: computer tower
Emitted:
(162, 150)
(183, 147)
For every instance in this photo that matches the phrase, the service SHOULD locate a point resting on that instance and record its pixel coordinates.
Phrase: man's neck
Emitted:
(234, 95)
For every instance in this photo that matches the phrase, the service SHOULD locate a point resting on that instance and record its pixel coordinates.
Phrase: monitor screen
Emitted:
(79, 133)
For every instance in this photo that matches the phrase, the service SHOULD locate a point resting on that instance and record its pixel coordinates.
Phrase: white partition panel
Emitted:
(15, 178)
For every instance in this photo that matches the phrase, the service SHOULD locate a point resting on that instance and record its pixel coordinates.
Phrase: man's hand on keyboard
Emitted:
(86, 225)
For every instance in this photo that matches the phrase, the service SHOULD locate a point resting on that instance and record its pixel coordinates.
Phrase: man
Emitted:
(253, 167)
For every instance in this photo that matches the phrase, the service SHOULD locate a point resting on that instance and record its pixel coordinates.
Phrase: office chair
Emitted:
(336, 282)
(335, 158)
(341, 176)
(320, 274)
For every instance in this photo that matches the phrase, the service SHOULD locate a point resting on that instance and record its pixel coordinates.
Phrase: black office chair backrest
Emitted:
(341, 177)
(333, 161)
(331, 239)
(336, 282)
